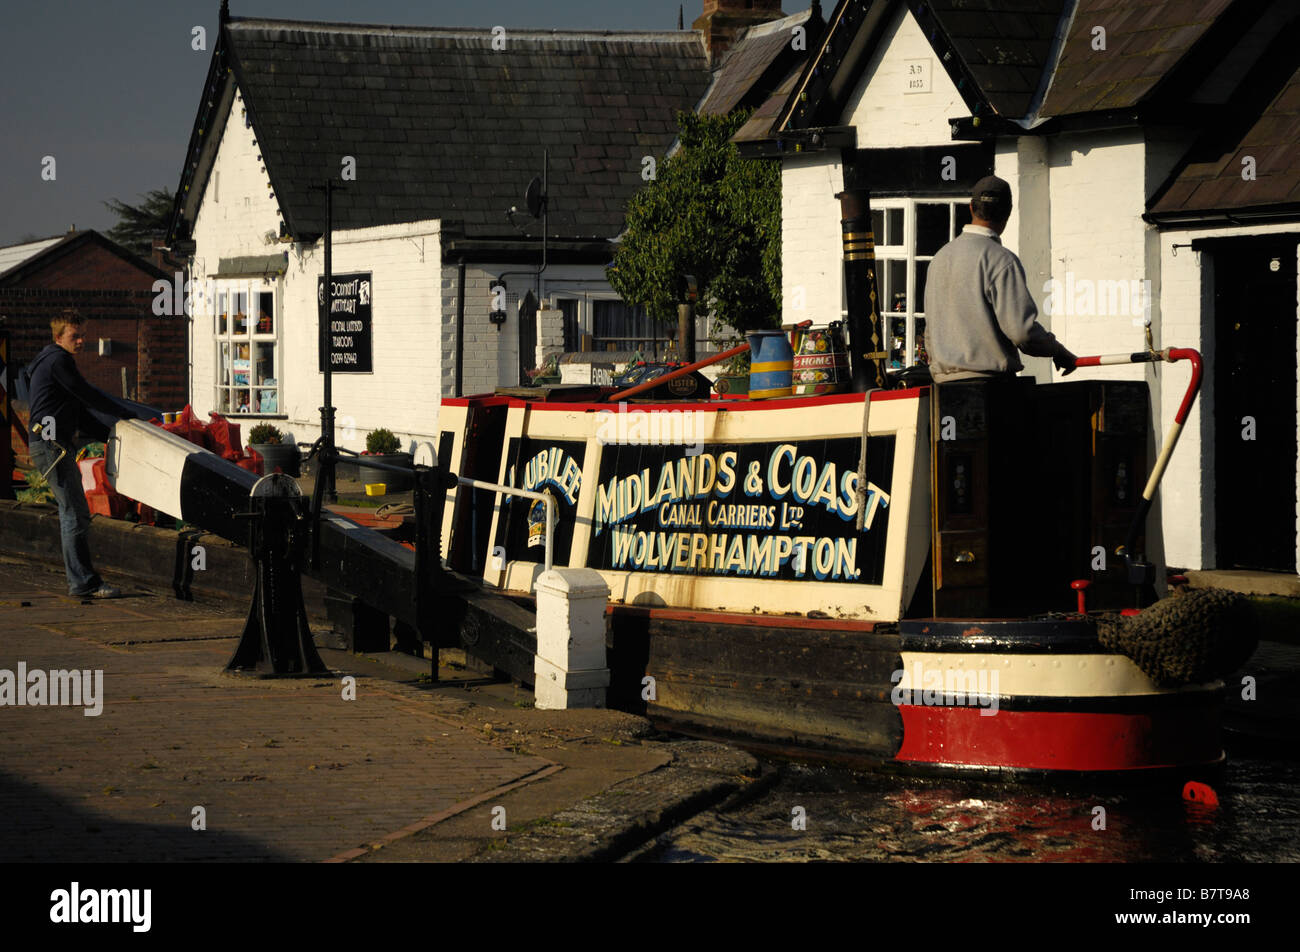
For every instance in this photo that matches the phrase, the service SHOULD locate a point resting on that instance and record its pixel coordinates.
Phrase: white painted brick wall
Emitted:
(1097, 235)
(886, 115)
(812, 263)
(403, 392)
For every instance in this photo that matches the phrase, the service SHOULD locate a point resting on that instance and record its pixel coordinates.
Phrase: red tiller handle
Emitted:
(680, 372)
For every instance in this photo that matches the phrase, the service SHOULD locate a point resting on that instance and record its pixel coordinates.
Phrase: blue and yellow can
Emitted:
(771, 365)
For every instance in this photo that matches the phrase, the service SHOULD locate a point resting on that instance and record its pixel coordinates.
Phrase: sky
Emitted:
(110, 89)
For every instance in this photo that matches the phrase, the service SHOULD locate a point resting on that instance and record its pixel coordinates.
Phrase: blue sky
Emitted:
(110, 89)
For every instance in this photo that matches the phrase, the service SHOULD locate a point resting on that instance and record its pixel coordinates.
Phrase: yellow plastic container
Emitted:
(376, 489)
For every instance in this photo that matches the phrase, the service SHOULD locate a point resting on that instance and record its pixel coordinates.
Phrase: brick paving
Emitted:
(286, 770)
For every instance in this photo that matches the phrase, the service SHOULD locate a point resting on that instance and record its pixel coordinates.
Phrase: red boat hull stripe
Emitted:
(1055, 740)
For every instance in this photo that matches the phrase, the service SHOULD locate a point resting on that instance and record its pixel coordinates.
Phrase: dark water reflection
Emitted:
(865, 817)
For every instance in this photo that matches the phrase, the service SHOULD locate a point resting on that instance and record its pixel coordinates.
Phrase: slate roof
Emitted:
(759, 125)
(14, 255)
(443, 126)
(751, 66)
(1004, 45)
(1145, 40)
(1266, 128)
(19, 261)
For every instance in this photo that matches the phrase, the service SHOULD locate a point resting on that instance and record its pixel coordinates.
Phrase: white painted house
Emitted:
(432, 137)
(1153, 149)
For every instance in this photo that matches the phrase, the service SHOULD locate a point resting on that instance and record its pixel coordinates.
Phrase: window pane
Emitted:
(223, 364)
(931, 227)
(616, 326)
(897, 340)
(239, 399)
(963, 216)
(894, 226)
(240, 366)
(264, 363)
(898, 285)
(922, 268)
(878, 225)
(266, 313)
(239, 317)
(922, 356)
(222, 304)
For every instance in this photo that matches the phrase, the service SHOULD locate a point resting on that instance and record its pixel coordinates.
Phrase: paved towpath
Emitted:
(283, 770)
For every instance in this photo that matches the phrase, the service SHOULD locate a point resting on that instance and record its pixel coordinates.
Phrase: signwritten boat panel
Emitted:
(776, 509)
(725, 507)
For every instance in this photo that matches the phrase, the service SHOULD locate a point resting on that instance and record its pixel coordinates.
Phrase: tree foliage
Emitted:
(711, 214)
(138, 225)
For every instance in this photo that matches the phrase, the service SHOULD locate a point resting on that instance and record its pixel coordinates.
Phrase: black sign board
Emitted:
(773, 510)
(345, 340)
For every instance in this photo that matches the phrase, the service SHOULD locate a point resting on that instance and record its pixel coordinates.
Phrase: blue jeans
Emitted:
(74, 514)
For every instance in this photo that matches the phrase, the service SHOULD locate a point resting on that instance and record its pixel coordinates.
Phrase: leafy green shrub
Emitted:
(382, 441)
(38, 489)
(264, 433)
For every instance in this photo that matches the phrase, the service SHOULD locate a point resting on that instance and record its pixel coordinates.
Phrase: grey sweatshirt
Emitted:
(978, 310)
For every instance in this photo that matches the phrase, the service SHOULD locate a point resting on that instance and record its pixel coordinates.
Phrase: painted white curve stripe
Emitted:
(1034, 675)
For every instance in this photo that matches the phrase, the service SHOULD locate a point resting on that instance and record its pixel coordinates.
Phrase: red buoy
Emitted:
(1195, 792)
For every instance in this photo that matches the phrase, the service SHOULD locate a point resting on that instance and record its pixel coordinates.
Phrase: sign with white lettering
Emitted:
(772, 510)
(345, 329)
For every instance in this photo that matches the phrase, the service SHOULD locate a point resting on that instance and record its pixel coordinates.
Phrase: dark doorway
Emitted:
(527, 337)
(1255, 383)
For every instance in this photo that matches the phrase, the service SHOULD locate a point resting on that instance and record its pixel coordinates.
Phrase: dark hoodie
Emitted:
(58, 390)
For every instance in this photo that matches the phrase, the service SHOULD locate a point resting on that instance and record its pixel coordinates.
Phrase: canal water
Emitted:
(852, 817)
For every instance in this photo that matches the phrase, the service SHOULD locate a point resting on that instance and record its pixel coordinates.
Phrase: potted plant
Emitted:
(734, 378)
(382, 446)
(267, 440)
(547, 373)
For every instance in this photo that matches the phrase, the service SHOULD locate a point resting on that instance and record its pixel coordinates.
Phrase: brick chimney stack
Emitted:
(723, 20)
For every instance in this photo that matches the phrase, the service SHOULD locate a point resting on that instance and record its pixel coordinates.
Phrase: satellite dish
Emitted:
(534, 198)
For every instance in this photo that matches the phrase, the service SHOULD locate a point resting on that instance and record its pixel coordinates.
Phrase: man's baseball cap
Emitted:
(992, 191)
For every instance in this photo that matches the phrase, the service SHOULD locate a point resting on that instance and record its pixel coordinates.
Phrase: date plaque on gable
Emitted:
(916, 76)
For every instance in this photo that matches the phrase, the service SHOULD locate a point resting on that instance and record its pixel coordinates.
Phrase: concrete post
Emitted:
(570, 664)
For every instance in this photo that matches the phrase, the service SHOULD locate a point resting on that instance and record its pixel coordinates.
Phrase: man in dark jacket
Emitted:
(60, 399)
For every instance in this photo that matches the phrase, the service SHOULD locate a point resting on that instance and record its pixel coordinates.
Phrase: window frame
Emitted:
(255, 289)
(586, 320)
(907, 253)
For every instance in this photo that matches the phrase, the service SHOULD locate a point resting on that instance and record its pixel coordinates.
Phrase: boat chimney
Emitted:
(867, 353)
